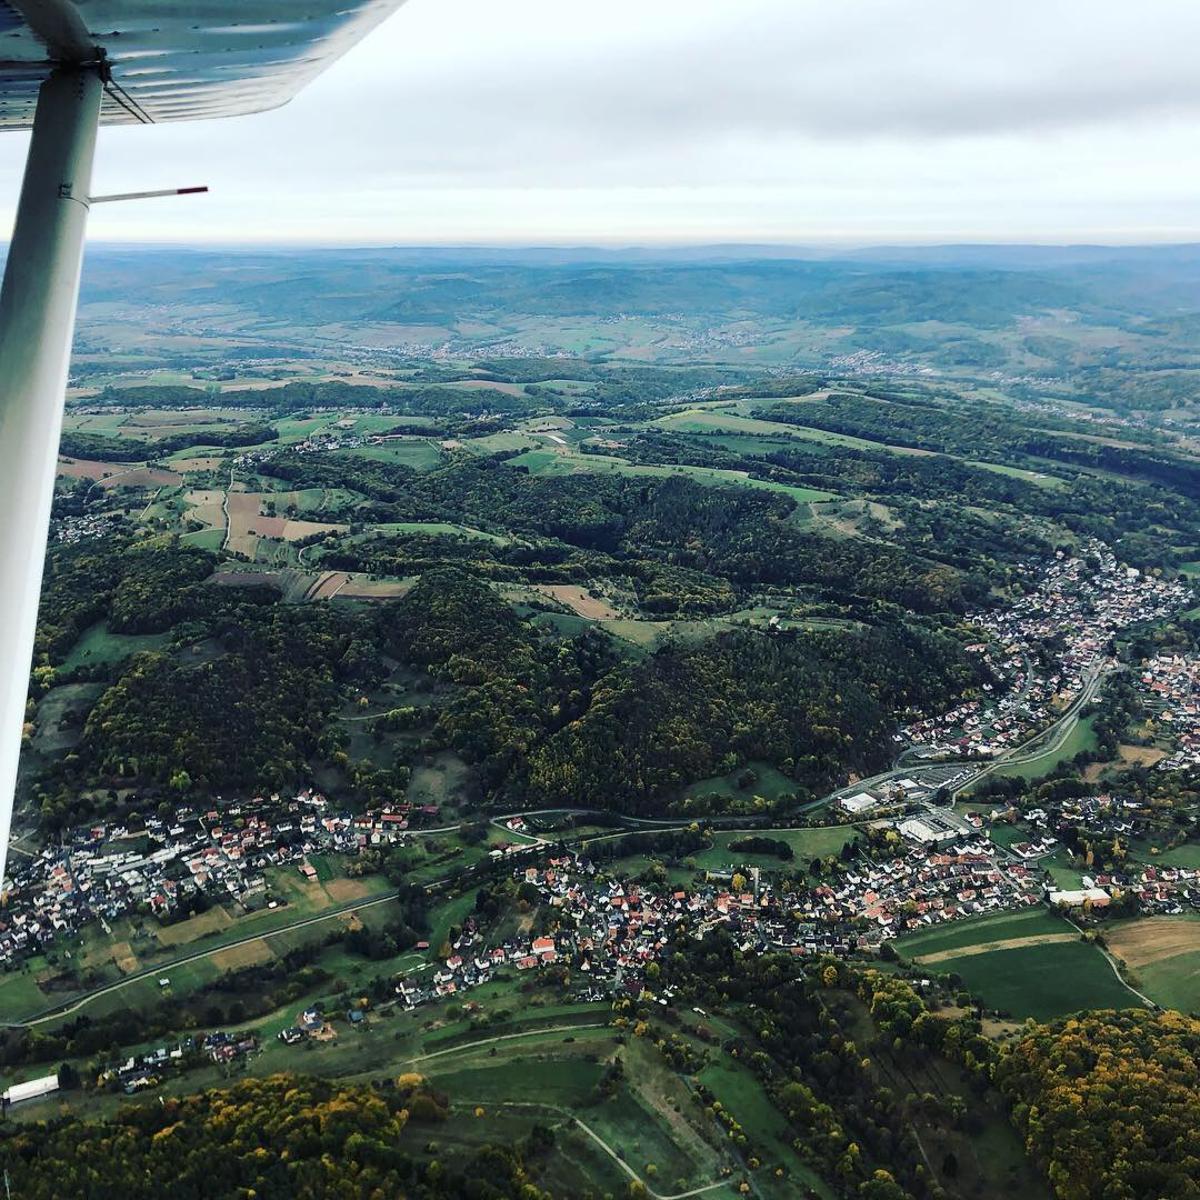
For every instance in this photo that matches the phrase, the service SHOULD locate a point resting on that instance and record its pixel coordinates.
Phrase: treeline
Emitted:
(98, 446)
(811, 1064)
(985, 431)
(283, 1137)
(764, 845)
(744, 538)
(1145, 522)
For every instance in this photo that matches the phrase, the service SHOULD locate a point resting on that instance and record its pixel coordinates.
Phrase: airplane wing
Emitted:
(67, 67)
(176, 60)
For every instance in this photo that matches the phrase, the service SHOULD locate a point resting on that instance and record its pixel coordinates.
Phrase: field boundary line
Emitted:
(1016, 943)
(570, 1116)
(66, 1009)
(505, 1037)
(1116, 970)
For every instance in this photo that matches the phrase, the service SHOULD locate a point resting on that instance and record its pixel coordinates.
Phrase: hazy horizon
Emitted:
(615, 246)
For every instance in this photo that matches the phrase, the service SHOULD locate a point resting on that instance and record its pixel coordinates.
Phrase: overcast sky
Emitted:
(540, 121)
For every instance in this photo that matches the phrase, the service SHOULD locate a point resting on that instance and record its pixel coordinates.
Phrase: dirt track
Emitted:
(1042, 939)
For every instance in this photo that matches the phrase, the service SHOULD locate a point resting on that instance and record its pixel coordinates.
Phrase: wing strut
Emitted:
(37, 320)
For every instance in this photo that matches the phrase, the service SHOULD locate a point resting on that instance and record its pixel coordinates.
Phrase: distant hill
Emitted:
(1090, 320)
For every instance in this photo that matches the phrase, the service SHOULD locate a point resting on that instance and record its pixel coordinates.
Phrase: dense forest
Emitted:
(553, 722)
(243, 691)
(744, 538)
(279, 1138)
(989, 432)
(815, 704)
(1107, 1103)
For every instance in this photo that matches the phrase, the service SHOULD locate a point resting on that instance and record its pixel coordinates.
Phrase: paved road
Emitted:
(55, 1012)
(1058, 733)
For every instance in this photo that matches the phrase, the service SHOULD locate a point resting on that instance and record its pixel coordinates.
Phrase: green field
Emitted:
(806, 845)
(770, 784)
(718, 421)
(698, 420)
(1162, 957)
(296, 429)
(643, 1139)
(435, 529)
(1040, 980)
(1081, 737)
(1046, 481)
(1173, 982)
(742, 1094)
(553, 462)
(755, 445)
(1187, 855)
(206, 539)
(1065, 875)
(419, 453)
(508, 439)
(1004, 834)
(547, 1081)
(97, 645)
(1029, 922)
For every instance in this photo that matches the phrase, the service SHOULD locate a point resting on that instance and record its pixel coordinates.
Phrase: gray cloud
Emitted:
(473, 118)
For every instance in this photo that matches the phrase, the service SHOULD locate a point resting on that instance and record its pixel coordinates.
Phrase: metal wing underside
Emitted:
(177, 60)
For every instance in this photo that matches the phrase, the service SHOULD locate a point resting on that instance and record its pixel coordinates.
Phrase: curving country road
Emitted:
(1047, 741)
(55, 1012)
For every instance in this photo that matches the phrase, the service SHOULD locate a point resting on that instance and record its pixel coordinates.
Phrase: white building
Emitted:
(859, 802)
(31, 1089)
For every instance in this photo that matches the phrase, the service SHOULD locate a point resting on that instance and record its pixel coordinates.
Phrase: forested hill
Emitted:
(1107, 1104)
(279, 1138)
(242, 691)
(563, 722)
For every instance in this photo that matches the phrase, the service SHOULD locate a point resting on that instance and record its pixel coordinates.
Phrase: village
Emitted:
(1043, 650)
(1170, 683)
(601, 935)
(174, 867)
